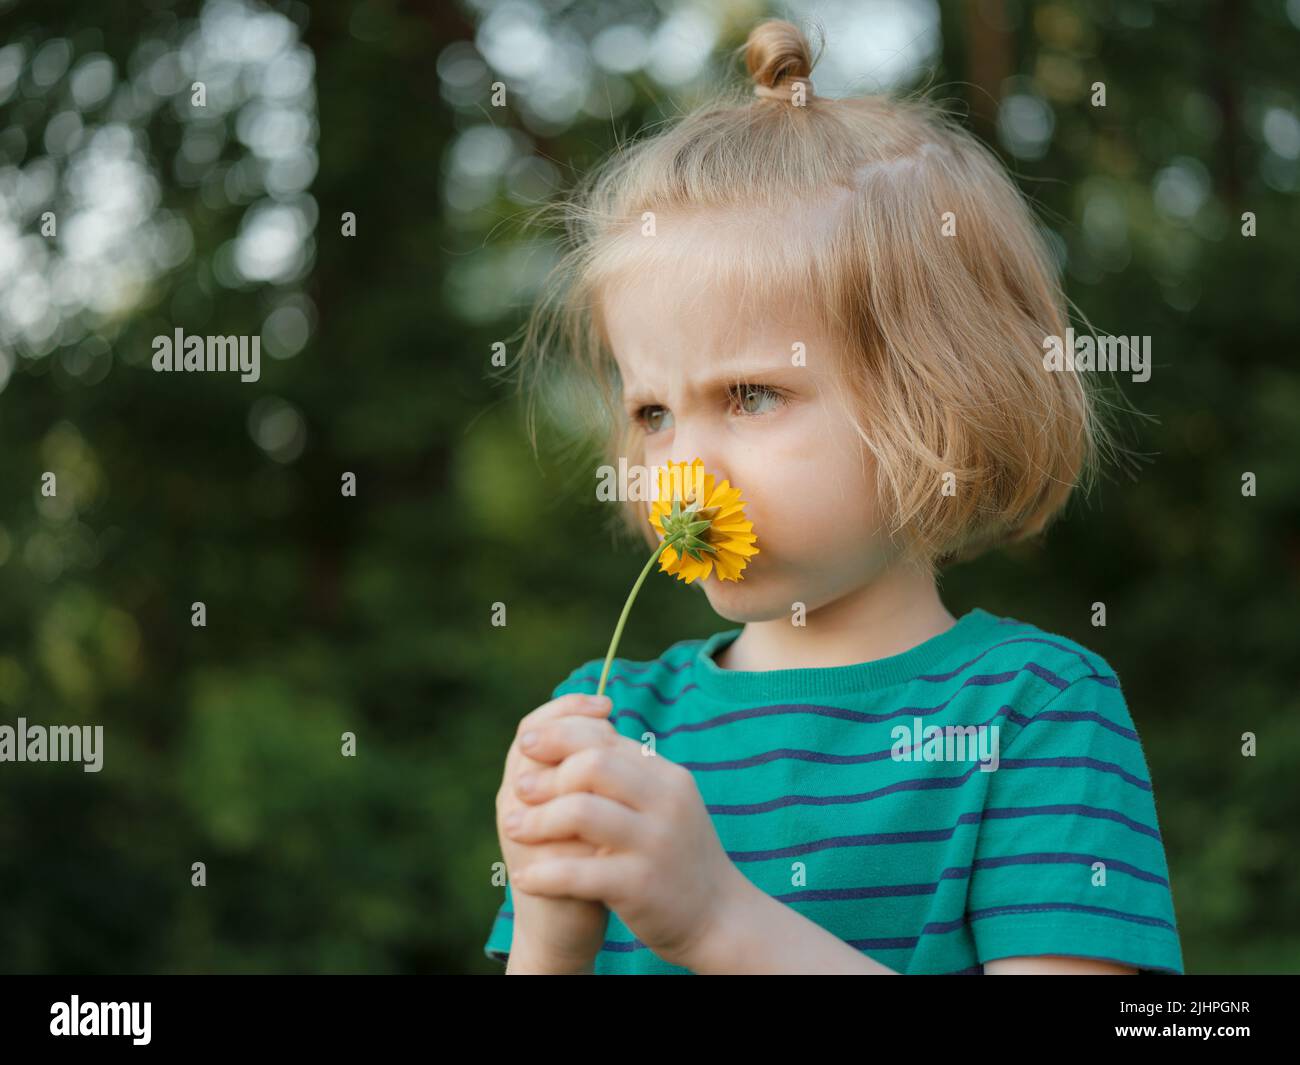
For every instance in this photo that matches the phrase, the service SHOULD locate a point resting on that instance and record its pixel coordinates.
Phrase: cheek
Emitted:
(811, 495)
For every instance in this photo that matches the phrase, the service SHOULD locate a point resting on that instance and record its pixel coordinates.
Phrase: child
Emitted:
(839, 306)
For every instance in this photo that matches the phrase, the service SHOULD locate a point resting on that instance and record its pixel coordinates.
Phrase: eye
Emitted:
(654, 418)
(757, 399)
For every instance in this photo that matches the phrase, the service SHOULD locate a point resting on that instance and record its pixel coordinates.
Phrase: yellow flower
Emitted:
(701, 525)
(704, 522)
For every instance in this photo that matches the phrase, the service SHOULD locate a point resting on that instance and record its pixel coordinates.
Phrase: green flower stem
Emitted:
(627, 609)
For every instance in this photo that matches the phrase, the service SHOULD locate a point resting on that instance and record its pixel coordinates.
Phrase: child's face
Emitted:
(783, 437)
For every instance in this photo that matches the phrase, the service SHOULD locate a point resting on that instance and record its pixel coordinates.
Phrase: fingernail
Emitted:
(528, 740)
(602, 702)
(512, 819)
(526, 782)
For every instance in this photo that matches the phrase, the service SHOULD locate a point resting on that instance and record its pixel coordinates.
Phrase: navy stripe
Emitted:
(1017, 639)
(893, 943)
(938, 835)
(1070, 859)
(804, 755)
(844, 714)
(920, 784)
(1075, 763)
(980, 680)
(923, 784)
(1074, 715)
(1072, 808)
(1072, 907)
(875, 891)
(878, 891)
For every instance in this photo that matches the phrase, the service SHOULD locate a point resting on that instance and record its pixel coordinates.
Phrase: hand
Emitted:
(659, 865)
(550, 934)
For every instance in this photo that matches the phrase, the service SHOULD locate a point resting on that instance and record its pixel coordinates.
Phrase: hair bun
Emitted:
(777, 55)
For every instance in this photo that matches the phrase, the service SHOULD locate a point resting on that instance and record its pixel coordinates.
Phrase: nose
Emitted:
(686, 452)
(694, 438)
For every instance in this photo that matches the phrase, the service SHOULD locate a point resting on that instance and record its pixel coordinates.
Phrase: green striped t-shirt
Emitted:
(983, 795)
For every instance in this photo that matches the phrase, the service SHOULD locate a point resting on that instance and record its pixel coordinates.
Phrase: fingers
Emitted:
(594, 879)
(554, 740)
(590, 705)
(593, 818)
(573, 704)
(564, 848)
(619, 771)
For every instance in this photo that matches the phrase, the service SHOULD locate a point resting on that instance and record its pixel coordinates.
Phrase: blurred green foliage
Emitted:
(372, 614)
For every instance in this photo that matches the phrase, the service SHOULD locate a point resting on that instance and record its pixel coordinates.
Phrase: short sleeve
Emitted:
(499, 939)
(501, 935)
(1072, 789)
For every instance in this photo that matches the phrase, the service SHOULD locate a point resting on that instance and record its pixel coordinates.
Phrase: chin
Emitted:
(744, 600)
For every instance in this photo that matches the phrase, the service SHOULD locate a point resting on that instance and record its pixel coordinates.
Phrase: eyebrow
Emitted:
(744, 375)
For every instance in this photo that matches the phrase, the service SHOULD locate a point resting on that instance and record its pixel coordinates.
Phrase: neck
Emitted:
(890, 615)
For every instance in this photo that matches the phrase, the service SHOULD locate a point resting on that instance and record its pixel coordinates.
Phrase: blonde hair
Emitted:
(942, 333)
